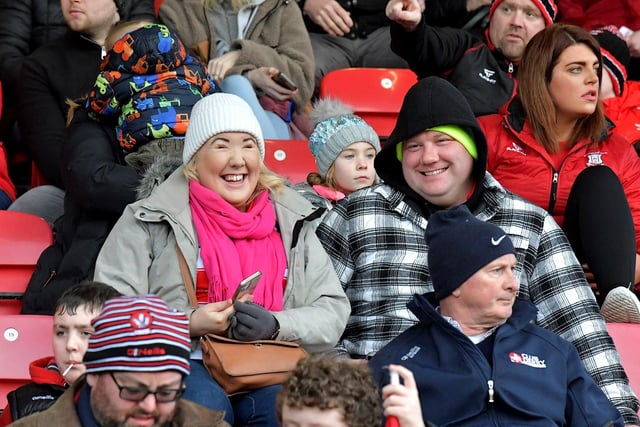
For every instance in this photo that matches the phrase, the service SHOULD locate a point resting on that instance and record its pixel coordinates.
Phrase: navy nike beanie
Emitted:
(459, 245)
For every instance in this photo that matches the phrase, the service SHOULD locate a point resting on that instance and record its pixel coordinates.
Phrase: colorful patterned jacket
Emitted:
(149, 82)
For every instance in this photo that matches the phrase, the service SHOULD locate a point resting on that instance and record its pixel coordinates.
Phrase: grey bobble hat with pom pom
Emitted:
(335, 127)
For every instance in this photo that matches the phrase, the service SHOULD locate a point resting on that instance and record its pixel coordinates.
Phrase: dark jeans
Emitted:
(599, 226)
(5, 201)
(257, 408)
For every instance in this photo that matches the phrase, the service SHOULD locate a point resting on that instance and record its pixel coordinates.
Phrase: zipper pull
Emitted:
(50, 278)
(510, 67)
(555, 177)
(490, 384)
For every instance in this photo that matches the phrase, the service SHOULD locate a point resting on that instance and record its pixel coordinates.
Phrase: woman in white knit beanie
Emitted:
(230, 217)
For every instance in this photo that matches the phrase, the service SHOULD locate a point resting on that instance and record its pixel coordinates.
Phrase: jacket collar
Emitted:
(524, 312)
(504, 62)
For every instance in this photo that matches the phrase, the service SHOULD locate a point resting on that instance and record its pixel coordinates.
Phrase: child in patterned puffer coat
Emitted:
(147, 86)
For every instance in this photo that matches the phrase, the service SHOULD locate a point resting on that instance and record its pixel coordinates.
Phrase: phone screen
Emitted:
(247, 285)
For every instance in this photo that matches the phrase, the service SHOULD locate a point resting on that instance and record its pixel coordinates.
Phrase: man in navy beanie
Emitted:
(478, 353)
(435, 159)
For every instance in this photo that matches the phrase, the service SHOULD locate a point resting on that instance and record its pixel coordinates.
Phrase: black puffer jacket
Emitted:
(26, 25)
(99, 186)
(32, 398)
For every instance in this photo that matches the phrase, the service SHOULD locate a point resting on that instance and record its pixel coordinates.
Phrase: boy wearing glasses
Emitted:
(136, 363)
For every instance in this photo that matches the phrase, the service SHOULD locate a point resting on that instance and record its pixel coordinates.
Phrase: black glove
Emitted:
(251, 322)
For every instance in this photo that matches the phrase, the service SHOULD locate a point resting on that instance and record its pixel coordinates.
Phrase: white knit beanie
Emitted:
(217, 113)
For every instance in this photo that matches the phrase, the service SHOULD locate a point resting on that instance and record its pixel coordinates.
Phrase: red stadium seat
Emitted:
(157, 4)
(23, 338)
(375, 94)
(23, 237)
(626, 337)
(290, 158)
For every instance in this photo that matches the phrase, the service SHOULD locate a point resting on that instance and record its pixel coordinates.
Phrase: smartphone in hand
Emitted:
(283, 80)
(247, 285)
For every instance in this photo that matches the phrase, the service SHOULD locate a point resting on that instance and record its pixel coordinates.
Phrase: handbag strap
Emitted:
(186, 278)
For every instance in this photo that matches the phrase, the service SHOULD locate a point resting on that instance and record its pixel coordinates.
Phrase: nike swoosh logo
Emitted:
(495, 242)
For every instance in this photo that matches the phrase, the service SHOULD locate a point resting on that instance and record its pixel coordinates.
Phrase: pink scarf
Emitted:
(235, 244)
(328, 193)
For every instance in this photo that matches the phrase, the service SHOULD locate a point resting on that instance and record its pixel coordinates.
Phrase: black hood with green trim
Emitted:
(432, 101)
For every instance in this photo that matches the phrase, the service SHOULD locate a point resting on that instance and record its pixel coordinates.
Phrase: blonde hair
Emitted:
(314, 178)
(74, 105)
(267, 180)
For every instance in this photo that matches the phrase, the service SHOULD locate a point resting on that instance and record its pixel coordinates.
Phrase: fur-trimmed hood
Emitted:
(156, 174)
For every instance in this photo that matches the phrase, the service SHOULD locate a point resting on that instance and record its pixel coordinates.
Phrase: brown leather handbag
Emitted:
(248, 365)
(241, 366)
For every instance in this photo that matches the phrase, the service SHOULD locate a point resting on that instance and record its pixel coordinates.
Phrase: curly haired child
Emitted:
(329, 392)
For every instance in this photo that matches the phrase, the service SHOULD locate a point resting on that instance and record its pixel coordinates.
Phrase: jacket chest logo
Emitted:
(595, 158)
(487, 75)
(527, 359)
(411, 353)
(516, 149)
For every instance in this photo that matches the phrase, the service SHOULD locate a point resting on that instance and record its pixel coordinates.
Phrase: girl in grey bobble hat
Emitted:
(344, 147)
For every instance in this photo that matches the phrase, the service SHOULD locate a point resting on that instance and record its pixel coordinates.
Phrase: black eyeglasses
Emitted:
(138, 394)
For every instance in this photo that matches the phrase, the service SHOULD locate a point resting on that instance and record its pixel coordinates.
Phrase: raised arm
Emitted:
(407, 13)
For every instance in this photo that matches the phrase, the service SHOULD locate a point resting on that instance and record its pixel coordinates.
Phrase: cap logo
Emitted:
(496, 242)
(146, 352)
(140, 321)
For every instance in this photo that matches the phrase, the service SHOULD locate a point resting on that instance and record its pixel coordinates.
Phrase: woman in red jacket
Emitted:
(555, 148)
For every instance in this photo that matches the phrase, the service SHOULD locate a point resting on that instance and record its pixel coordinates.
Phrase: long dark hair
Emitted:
(540, 57)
